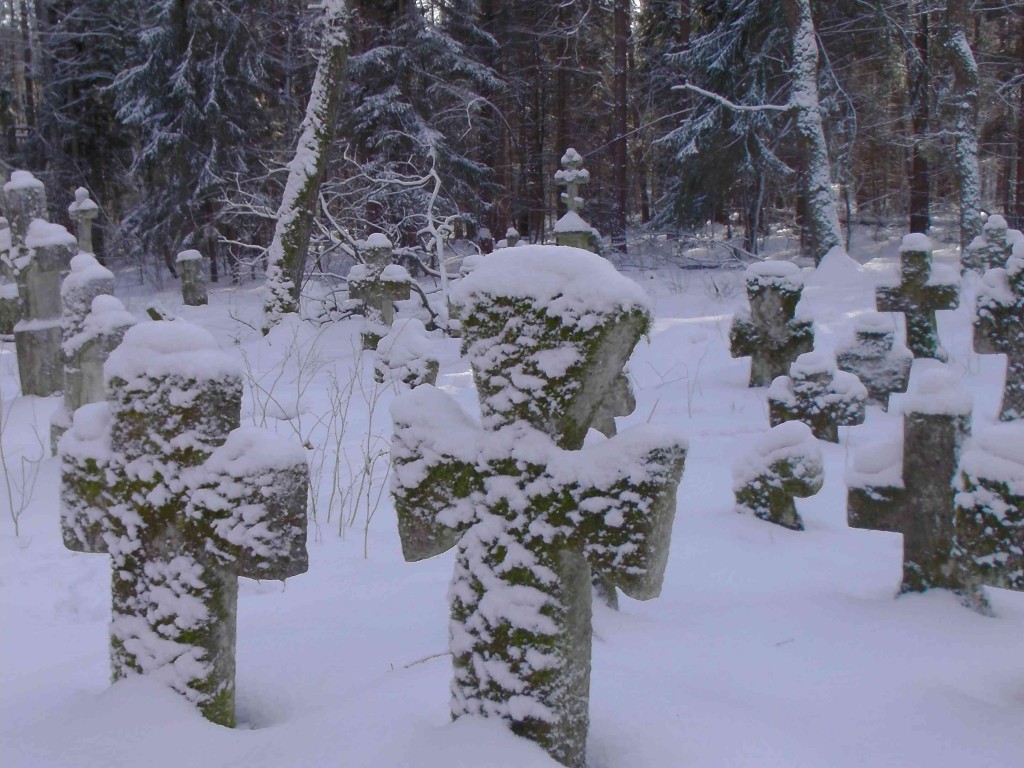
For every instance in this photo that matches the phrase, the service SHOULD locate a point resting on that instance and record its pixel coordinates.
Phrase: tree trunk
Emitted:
(920, 202)
(965, 132)
(620, 123)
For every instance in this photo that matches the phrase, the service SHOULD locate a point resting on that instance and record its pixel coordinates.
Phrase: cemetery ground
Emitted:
(768, 647)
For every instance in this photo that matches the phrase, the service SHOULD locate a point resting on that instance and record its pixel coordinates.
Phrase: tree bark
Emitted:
(920, 177)
(965, 131)
(620, 123)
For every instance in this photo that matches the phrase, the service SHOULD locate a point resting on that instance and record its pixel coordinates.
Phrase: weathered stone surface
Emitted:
(992, 247)
(769, 333)
(882, 366)
(999, 328)
(159, 478)
(193, 278)
(918, 296)
(378, 284)
(783, 465)
(24, 201)
(10, 305)
(547, 332)
(572, 230)
(406, 355)
(83, 211)
(988, 547)
(919, 500)
(818, 395)
(619, 401)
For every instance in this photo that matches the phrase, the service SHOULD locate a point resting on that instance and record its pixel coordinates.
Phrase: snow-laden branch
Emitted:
(732, 105)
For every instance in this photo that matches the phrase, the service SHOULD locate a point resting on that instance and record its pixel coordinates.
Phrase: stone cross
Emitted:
(818, 395)
(919, 501)
(999, 328)
(160, 478)
(378, 284)
(547, 333)
(992, 247)
(873, 357)
(83, 211)
(769, 333)
(193, 279)
(406, 355)
(918, 296)
(571, 229)
(988, 547)
(41, 253)
(784, 464)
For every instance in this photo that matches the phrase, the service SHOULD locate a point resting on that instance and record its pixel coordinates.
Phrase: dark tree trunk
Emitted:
(920, 176)
(620, 127)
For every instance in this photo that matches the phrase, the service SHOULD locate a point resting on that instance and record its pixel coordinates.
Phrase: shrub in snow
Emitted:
(818, 395)
(547, 331)
(156, 478)
(378, 284)
(784, 464)
(989, 542)
(992, 247)
(914, 495)
(918, 295)
(407, 355)
(873, 357)
(83, 211)
(769, 333)
(999, 328)
(193, 279)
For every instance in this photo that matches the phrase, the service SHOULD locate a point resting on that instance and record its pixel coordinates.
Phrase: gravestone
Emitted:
(10, 307)
(873, 357)
(485, 240)
(83, 211)
(818, 395)
(770, 334)
(999, 328)
(406, 355)
(160, 478)
(572, 229)
(988, 547)
(546, 332)
(992, 247)
(193, 278)
(378, 284)
(512, 237)
(918, 296)
(784, 464)
(41, 253)
(910, 491)
(85, 345)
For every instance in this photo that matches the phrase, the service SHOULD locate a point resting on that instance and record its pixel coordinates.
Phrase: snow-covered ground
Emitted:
(767, 647)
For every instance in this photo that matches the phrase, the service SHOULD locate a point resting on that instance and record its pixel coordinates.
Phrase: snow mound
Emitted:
(790, 440)
(998, 455)
(22, 180)
(916, 242)
(939, 390)
(189, 255)
(43, 234)
(169, 348)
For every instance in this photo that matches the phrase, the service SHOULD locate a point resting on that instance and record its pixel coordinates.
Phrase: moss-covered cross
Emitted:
(818, 395)
(378, 283)
(999, 328)
(547, 331)
(918, 296)
(159, 478)
(873, 357)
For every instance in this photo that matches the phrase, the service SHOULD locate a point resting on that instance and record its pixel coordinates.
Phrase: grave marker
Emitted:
(818, 395)
(999, 328)
(193, 278)
(873, 357)
(378, 284)
(992, 247)
(572, 229)
(83, 211)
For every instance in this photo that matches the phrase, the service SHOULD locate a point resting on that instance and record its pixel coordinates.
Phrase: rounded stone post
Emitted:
(83, 211)
(193, 279)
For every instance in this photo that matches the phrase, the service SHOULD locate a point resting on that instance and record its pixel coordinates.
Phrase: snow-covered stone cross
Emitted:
(882, 366)
(784, 464)
(818, 395)
(378, 284)
(992, 247)
(572, 229)
(915, 496)
(770, 334)
(999, 328)
(83, 210)
(160, 478)
(918, 296)
(547, 330)
(193, 278)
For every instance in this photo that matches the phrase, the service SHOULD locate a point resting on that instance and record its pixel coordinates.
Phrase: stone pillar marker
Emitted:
(512, 237)
(378, 284)
(915, 496)
(193, 279)
(530, 513)
(873, 357)
(818, 395)
(784, 464)
(41, 253)
(159, 477)
(10, 307)
(999, 328)
(572, 229)
(770, 333)
(918, 296)
(992, 247)
(83, 211)
(407, 355)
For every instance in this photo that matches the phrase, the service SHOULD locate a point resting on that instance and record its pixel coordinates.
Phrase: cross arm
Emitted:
(879, 508)
(943, 295)
(84, 452)
(744, 335)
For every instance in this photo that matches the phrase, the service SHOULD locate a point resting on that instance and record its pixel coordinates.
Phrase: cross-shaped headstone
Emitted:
(193, 279)
(769, 333)
(572, 229)
(988, 547)
(919, 502)
(159, 478)
(818, 395)
(783, 465)
(992, 247)
(547, 332)
(83, 211)
(378, 284)
(999, 328)
(873, 357)
(918, 296)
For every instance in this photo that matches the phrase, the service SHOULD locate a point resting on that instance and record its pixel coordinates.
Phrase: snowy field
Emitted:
(767, 647)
